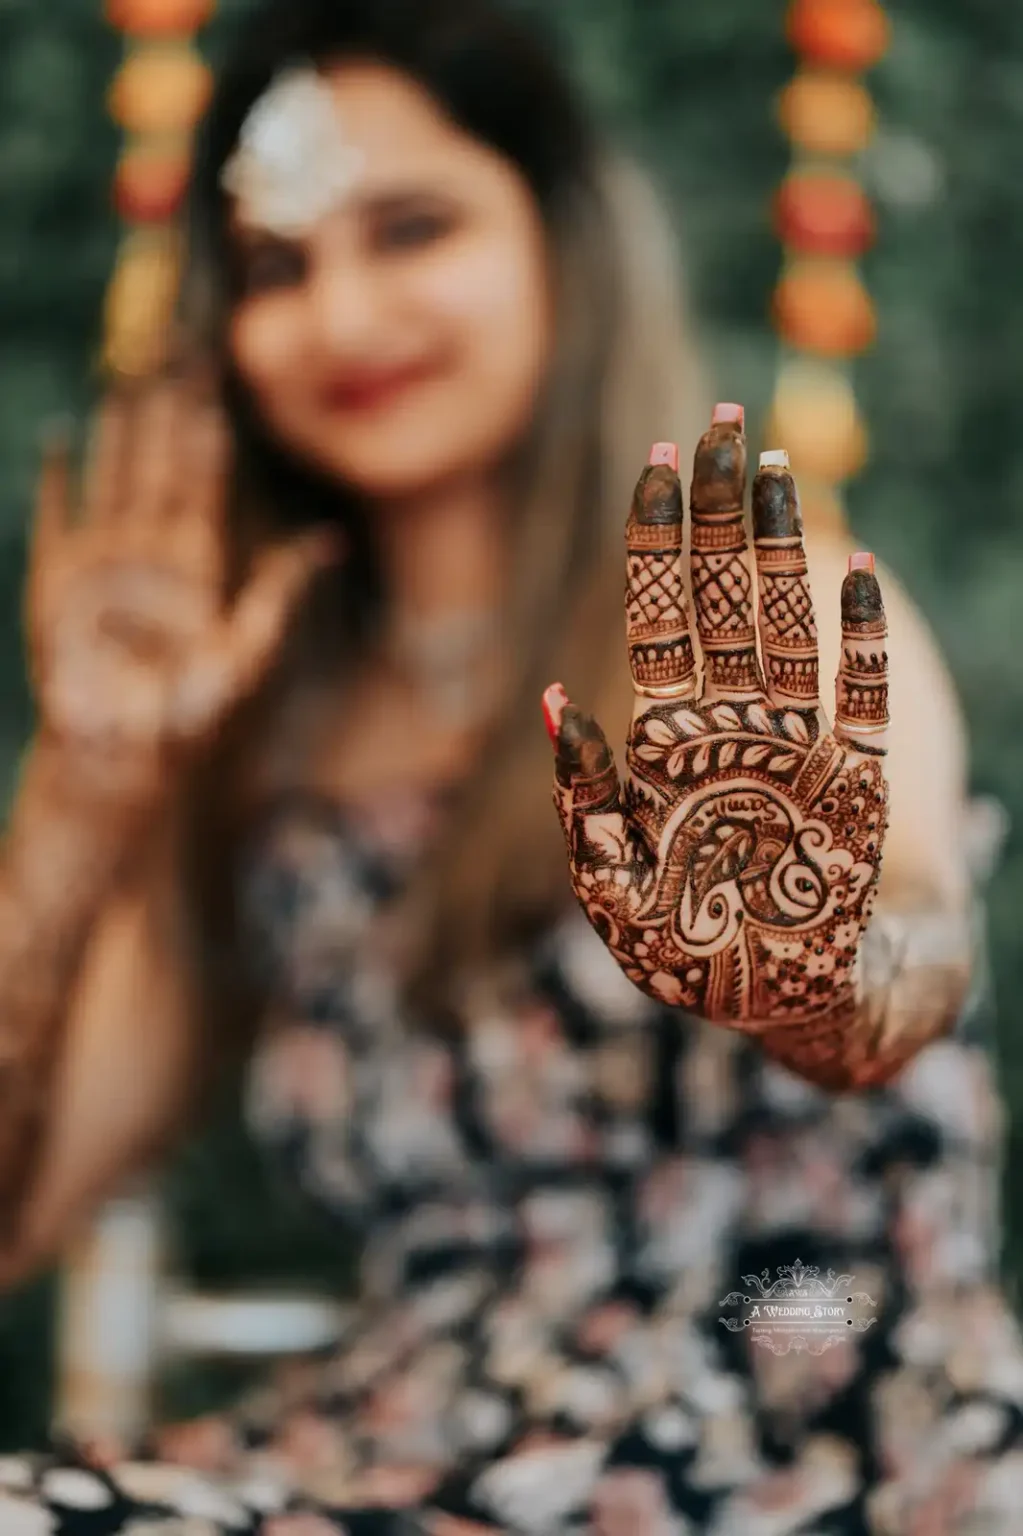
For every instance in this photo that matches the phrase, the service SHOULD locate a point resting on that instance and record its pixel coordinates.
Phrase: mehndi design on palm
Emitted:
(733, 872)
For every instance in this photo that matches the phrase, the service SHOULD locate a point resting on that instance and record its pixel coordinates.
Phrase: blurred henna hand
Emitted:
(134, 654)
(733, 873)
(135, 658)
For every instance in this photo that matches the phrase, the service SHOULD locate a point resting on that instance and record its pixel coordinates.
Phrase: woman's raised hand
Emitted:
(133, 651)
(733, 872)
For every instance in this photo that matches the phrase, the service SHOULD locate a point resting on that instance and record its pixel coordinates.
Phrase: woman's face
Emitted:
(401, 343)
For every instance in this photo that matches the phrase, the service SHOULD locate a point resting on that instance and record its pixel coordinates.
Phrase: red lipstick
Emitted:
(368, 389)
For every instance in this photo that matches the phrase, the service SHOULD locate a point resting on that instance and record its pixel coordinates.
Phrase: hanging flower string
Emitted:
(157, 97)
(825, 222)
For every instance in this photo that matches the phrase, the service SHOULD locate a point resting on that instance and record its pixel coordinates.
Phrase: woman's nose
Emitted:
(347, 307)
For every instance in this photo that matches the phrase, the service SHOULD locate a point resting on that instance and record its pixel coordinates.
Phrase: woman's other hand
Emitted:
(134, 654)
(733, 873)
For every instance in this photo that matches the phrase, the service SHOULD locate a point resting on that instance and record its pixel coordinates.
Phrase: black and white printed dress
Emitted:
(551, 1208)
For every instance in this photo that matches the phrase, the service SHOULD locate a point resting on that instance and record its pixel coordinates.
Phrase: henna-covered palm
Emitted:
(133, 651)
(733, 872)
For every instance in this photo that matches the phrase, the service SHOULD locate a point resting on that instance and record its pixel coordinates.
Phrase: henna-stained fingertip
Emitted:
(554, 700)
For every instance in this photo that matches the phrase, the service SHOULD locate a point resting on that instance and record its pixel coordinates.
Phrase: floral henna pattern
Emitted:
(738, 880)
(734, 872)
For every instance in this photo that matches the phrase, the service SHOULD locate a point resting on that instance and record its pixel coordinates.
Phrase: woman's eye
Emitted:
(272, 266)
(408, 231)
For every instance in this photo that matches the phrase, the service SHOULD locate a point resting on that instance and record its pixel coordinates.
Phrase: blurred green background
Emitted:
(691, 87)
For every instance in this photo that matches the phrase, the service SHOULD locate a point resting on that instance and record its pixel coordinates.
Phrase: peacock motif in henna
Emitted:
(732, 874)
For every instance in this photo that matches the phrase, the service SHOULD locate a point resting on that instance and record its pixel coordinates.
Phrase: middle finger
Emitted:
(196, 534)
(722, 579)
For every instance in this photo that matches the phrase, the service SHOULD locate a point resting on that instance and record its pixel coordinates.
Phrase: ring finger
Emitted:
(788, 628)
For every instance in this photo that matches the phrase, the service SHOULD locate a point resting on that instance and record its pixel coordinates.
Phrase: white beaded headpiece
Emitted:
(293, 163)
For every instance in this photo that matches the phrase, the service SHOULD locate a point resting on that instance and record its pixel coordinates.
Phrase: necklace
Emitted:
(452, 658)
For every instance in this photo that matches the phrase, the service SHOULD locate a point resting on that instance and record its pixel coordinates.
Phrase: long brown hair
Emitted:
(622, 376)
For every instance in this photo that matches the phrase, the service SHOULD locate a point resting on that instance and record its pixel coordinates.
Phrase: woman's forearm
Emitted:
(66, 841)
(914, 978)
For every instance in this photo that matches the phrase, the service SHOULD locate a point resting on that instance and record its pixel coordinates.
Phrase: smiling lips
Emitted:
(371, 389)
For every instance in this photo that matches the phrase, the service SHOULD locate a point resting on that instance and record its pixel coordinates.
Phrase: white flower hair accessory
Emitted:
(293, 163)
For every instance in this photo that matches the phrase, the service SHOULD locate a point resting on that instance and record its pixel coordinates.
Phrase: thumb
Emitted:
(601, 842)
(583, 761)
(279, 579)
(241, 647)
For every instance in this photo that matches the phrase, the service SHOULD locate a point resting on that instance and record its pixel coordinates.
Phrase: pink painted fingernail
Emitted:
(665, 453)
(554, 701)
(725, 412)
(862, 562)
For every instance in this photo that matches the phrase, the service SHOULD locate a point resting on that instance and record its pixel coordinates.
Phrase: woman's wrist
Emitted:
(88, 779)
(911, 983)
(76, 819)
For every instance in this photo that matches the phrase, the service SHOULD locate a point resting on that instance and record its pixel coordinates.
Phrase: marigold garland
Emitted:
(825, 221)
(158, 97)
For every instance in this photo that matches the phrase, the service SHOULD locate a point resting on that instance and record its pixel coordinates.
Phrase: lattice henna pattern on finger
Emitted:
(657, 620)
(788, 628)
(722, 588)
(721, 591)
(788, 635)
(660, 648)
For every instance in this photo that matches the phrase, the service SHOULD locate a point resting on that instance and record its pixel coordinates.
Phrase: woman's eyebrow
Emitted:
(398, 191)
(365, 201)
